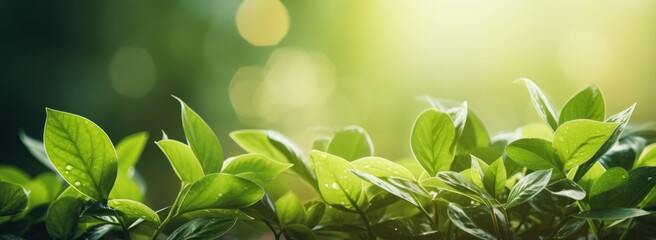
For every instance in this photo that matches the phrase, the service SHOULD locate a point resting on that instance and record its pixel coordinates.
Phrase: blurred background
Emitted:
(305, 68)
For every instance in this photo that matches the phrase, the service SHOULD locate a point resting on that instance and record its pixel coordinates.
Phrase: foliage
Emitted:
(585, 177)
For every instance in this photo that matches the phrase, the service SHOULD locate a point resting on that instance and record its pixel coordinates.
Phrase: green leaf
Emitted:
(386, 186)
(289, 209)
(541, 103)
(566, 188)
(203, 228)
(129, 150)
(219, 190)
(381, 167)
(255, 167)
(13, 198)
(314, 213)
(275, 146)
(534, 154)
(494, 178)
(62, 217)
(182, 160)
(321, 144)
(621, 118)
(201, 139)
(570, 228)
(577, 141)
(457, 111)
(81, 152)
(456, 183)
(337, 185)
(467, 223)
(647, 157)
(13, 175)
(591, 176)
(433, 141)
(616, 188)
(37, 149)
(402, 228)
(350, 143)
(527, 187)
(298, 232)
(587, 104)
(126, 188)
(474, 135)
(134, 209)
(609, 180)
(612, 213)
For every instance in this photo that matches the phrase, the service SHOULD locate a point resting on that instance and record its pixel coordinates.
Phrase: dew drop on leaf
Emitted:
(69, 167)
(335, 185)
(78, 183)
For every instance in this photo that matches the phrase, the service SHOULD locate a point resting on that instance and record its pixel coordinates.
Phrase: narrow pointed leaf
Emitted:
(612, 213)
(528, 187)
(182, 160)
(390, 188)
(202, 140)
(433, 141)
(467, 223)
(134, 209)
(351, 143)
(456, 183)
(566, 188)
(541, 103)
(587, 104)
(81, 152)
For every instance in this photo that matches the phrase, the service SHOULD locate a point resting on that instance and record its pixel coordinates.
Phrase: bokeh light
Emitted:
(262, 22)
(132, 71)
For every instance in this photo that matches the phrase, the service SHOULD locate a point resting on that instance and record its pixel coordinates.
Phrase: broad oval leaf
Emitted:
(255, 167)
(433, 141)
(388, 187)
(203, 228)
(577, 141)
(201, 139)
(527, 187)
(289, 209)
(381, 167)
(587, 104)
(350, 143)
(298, 232)
(609, 180)
(13, 198)
(62, 217)
(129, 150)
(182, 160)
(566, 188)
(494, 178)
(541, 103)
(337, 185)
(219, 190)
(81, 152)
(467, 223)
(534, 153)
(134, 209)
(612, 213)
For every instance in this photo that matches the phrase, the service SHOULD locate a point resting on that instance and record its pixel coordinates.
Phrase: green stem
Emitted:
(593, 228)
(497, 231)
(363, 216)
(276, 234)
(628, 228)
(126, 232)
(171, 214)
(505, 214)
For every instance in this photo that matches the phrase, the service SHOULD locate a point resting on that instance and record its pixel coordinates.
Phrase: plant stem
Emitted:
(593, 228)
(276, 234)
(497, 231)
(363, 216)
(628, 228)
(171, 214)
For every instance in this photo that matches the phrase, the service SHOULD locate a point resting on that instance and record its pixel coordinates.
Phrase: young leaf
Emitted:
(350, 143)
(62, 218)
(541, 103)
(622, 119)
(37, 149)
(290, 210)
(381, 167)
(390, 188)
(314, 213)
(336, 183)
(458, 184)
(433, 141)
(457, 111)
(255, 167)
(203, 228)
(494, 178)
(611, 213)
(587, 104)
(182, 160)
(129, 150)
(577, 141)
(298, 232)
(81, 152)
(467, 223)
(219, 190)
(474, 135)
(566, 188)
(201, 139)
(534, 154)
(134, 209)
(528, 187)
(647, 157)
(275, 146)
(13, 198)
(13, 175)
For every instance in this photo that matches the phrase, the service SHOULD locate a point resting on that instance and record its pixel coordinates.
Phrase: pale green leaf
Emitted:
(219, 190)
(290, 209)
(455, 182)
(81, 152)
(494, 178)
(126, 187)
(134, 209)
(182, 160)
(534, 154)
(541, 103)
(566, 188)
(647, 157)
(255, 167)
(13, 175)
(587, 104)
(381, 167)
(433, 141)
(321, 144)
(337, 185)
(527, 187)
(577, 141)
(350, 143)
(201, 139)
(388, 187)
(129, 150)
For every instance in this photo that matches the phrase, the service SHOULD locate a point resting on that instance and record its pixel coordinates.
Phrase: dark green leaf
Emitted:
(470, 224)
(298, 232)
(203, 228)
(351, 143)
(62, 218)
(13, 198)
(616, 188)
(528, 187)
(433, 141)
(314, 213)
(402, 228)
(570, 228)
(566, 188)
(587, 104)
(81, 152)
(541, 103)
(202, 140)
(612, 213)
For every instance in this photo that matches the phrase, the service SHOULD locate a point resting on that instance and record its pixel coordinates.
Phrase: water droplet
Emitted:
(67, 172)
(649, 178)
(341, 203)
(325, 185)
(220, 194)
(472, 202)
(69, 167)
(78, 183)
(396, 229)
(335, 185)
